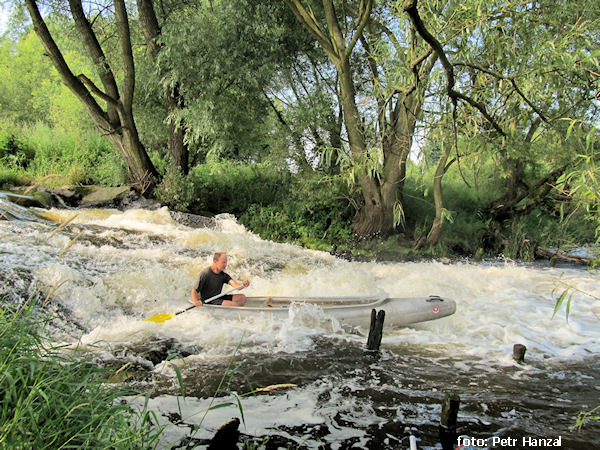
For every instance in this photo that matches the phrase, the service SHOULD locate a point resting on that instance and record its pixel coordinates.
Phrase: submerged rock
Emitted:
(105, 196)
(192, 220)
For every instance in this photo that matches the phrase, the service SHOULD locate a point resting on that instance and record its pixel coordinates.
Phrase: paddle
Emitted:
(159, 318)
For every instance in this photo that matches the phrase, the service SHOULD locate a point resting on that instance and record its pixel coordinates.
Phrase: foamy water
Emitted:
(123, 277)
(128, 266)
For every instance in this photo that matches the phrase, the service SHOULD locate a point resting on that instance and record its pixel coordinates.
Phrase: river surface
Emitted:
(128, 266)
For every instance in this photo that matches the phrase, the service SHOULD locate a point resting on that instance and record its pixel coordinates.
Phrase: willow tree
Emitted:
(223, 58)
(493, 65)
(116, 119)
(377, 151)
(516, 73)
(152, 30)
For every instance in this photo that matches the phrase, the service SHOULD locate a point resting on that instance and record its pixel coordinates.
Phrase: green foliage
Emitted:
(585, 417)
(14, 151)
(223, 187)
(53, 399)
(221, 57)
(36, 151)
(233, 187)
(31, 90)
(175, 190)
(13, 177)
(90, 160)
(582, 183)
(44, 129)
(462, 234)
(469, 230)
(313, 212)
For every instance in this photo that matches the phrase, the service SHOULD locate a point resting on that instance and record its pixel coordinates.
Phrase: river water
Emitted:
(128, 266)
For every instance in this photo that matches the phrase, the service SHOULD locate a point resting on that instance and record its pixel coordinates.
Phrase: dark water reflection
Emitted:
(401, 387)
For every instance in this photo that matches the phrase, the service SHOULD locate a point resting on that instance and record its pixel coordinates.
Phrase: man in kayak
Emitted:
(210, 283)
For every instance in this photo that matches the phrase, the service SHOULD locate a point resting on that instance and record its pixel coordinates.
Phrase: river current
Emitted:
(127, 266)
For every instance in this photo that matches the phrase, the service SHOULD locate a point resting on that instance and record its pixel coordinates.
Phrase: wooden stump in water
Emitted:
(449, 420)
(450, 406)
(226, 437)
(519, 352)
(376, 330)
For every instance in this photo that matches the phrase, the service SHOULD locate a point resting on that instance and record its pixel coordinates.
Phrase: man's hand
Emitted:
(195, 298)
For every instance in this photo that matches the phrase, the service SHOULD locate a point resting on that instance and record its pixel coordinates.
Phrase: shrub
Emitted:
(229, 187)
(14, 152)
(311, 212)
(175, 190)
(13, 177)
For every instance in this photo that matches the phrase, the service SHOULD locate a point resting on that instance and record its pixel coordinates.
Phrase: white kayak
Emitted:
(351, 311)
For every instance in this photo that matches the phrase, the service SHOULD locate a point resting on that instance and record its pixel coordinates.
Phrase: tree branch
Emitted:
(309, 22)
(150, 27)
(364, 15)
(95, 90)
(514, 84)
(97, 54)
(70, 80)
(410, 7)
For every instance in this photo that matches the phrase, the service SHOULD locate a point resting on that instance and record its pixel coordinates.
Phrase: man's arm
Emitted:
(234, 283)
(195, 298)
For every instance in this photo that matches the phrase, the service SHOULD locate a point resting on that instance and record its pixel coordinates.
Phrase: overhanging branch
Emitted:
(514, 84)
(410, 7)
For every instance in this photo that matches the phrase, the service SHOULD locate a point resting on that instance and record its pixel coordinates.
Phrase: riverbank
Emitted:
(53, 398)
(395, 248)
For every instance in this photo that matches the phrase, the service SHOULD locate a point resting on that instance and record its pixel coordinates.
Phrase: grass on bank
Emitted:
(53, 399)
(33, 151)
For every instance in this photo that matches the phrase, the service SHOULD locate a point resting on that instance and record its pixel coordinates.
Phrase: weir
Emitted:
(128, 266)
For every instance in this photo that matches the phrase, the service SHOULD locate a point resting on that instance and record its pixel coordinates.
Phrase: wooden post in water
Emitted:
(376, 330)
(519, 353)
(450, 406)
(449, 420)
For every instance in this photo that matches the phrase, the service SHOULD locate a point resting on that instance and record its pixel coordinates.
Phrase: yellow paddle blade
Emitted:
(159, 318)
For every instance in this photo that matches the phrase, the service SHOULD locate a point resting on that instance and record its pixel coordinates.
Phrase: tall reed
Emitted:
(51, 398)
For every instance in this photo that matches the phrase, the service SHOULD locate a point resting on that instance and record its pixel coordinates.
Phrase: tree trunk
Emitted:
(438, 224)
(380, 194)
(136, 159)
(372, 218)
(516, 189)
(152, 31)
(117, 122)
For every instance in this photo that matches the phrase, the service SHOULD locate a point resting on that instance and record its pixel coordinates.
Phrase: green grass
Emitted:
(34, 151)
(14, 177)
(55, 398)
(52, 398)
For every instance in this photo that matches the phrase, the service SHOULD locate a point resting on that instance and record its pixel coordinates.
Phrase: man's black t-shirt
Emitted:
(210, 284)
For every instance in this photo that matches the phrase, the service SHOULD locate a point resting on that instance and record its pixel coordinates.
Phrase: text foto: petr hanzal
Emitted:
(495, 441)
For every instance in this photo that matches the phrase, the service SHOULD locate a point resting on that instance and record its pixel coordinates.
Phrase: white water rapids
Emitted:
(127, 266)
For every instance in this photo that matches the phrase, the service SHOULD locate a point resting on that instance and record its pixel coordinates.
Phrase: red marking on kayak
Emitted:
(436, 309)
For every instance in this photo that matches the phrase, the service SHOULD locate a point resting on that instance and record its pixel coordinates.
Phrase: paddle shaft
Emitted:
(208, 300)
(164, 317)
